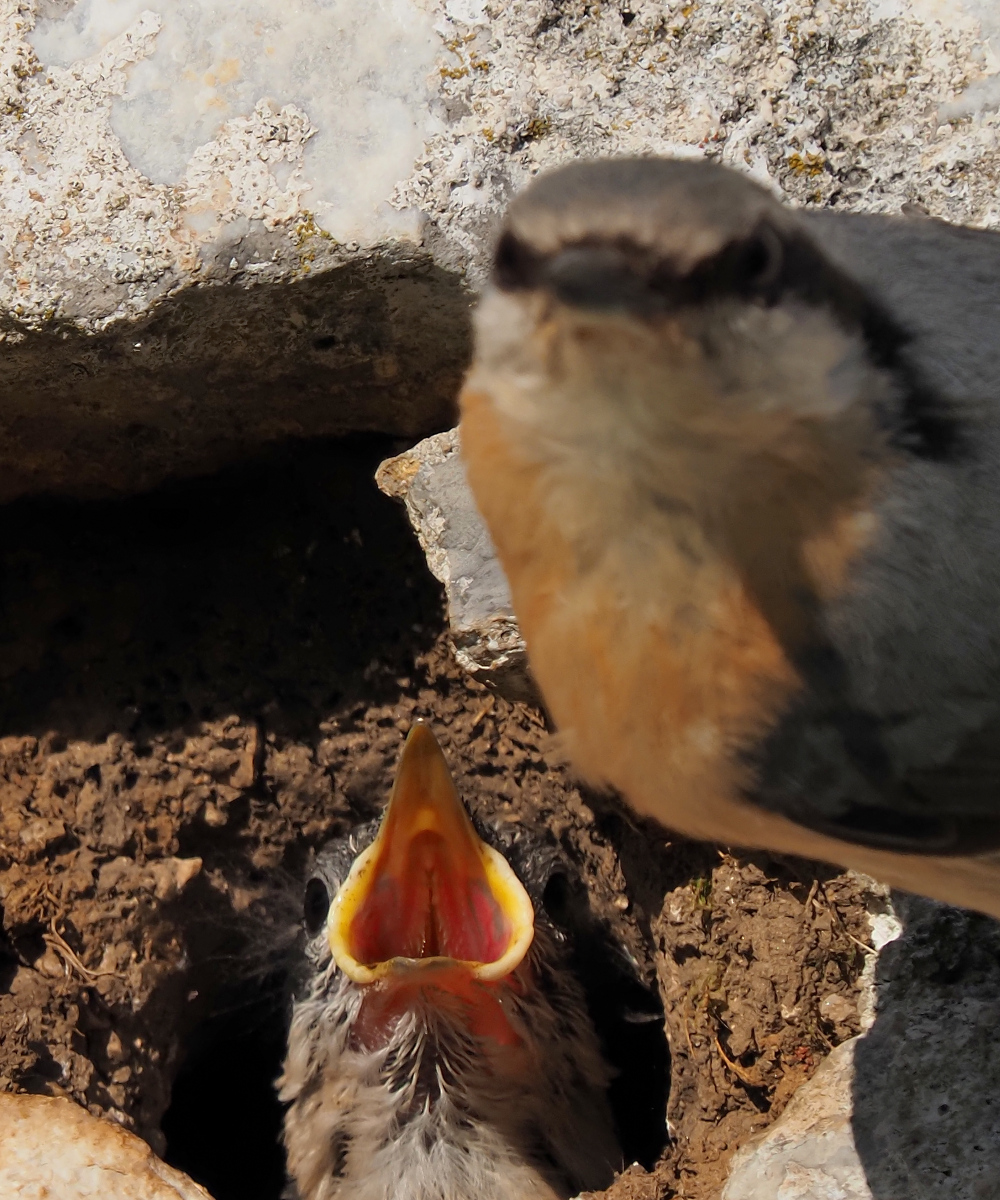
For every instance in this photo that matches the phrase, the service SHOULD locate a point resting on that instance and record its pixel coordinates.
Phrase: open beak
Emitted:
(428, 893)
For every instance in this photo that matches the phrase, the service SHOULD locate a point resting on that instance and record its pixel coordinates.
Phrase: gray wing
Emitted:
(898, 743)
(940, 283)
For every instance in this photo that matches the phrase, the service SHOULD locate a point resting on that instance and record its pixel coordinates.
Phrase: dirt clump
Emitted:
(758, 960)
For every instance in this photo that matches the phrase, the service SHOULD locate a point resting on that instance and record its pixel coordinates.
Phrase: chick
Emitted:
(742, 467)
(441, 1048)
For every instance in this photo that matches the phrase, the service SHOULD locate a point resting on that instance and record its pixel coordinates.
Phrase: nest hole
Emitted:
(223, 1126)
(629, 1020)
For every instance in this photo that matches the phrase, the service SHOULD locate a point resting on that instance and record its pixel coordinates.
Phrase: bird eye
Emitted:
(515, 265)
(760, 260)
(315, 906)
(556, 897)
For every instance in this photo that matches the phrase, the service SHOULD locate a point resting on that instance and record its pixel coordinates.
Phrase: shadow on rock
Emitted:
(272, 585)
(926, 1091)
(213, 372)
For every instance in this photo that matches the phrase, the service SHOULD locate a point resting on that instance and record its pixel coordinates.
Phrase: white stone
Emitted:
(809, 1153)
(360, 72)
(983, 96)
(51, 1149)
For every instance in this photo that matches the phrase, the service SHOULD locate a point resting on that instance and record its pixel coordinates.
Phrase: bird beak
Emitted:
(428, 892)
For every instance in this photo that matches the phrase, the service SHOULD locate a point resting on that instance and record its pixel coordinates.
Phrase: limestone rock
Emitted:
(225, 224)
(51, 1149)
(430, 479)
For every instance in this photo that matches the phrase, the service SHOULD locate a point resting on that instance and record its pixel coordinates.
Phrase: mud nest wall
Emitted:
(200, 685)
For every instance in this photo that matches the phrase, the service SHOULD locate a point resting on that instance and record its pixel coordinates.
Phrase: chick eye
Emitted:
(557, 896)
(316, 906)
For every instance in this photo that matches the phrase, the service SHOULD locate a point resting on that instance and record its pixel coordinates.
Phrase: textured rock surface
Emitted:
(430, 479)
(198, 259)
(185, 273)
(911, 1108)
(51, 1149)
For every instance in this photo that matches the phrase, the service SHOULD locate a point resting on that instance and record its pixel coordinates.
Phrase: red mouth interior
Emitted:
(427, 894)
(429, 897)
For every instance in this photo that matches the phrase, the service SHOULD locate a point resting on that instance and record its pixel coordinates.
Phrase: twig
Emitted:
(57, 942)
(835, 914)
(484, 711)
(736, 1069)
(863, 945)
(829, 1044)
(687, 1036)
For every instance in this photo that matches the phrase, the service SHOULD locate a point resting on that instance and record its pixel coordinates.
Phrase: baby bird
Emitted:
(742, 468)
(441, 1050)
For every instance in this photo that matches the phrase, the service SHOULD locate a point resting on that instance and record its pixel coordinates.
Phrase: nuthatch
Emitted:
(742, 467)
(442, 1049)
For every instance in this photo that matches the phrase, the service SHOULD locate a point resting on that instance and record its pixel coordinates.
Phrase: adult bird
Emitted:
(742, 467)
(441, 1048)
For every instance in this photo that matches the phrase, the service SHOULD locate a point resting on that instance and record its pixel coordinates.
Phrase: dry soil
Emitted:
(198, 687)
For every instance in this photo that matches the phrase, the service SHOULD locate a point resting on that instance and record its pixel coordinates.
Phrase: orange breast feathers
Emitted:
(658, 675)
(655, 672)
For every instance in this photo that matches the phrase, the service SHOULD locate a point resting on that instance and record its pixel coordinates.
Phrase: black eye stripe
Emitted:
(746, 267)
(765, 267)
(761, 259)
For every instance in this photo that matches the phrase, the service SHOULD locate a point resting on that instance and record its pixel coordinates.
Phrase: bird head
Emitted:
(440, 1046)
(668, 309)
